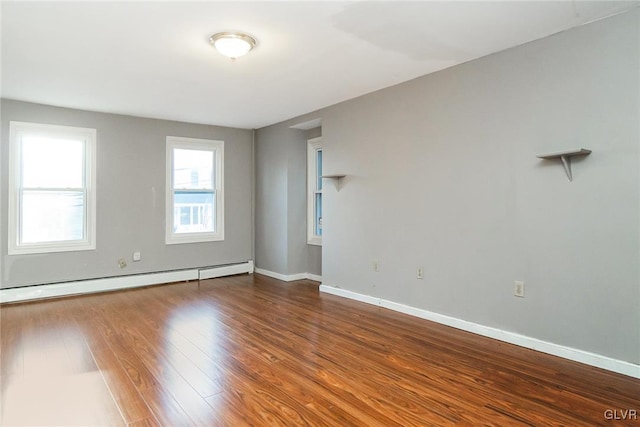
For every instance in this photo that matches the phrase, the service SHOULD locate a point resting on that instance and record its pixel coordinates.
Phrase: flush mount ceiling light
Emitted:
(232, 44)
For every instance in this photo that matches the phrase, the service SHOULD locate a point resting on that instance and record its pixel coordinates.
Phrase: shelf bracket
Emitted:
(565, 157)
(566, 162)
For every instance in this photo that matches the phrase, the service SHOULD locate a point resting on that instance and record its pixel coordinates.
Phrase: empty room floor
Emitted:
(251, 350)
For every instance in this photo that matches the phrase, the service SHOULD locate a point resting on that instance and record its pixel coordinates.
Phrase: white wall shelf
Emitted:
(565, 157)
(336, 178)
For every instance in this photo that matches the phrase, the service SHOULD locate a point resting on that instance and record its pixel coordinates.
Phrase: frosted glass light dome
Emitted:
(232, 44)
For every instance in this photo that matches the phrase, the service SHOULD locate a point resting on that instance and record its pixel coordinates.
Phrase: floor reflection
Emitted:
(58, 400)
(193, 348)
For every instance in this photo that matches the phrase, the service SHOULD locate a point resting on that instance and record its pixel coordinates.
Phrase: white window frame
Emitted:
(16, 132)
(313, 145)
(217, 147)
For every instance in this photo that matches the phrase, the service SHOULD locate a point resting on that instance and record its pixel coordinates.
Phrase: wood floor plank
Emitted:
(145, 422)
(155, 342)
(166, 410)
(251, 350)
(12, 360)
(127, 397)
(406, 405)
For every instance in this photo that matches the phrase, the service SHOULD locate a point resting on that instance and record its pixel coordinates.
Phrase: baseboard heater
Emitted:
(52, 290)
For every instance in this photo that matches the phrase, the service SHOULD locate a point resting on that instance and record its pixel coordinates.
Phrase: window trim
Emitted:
(216, 146)
(312, 146)
(89, 136)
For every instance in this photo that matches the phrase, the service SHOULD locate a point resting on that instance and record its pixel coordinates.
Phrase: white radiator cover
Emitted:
(52, 290)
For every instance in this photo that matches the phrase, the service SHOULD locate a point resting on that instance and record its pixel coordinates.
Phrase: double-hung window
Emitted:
(195, 190)
(52, 188)
(314, 191)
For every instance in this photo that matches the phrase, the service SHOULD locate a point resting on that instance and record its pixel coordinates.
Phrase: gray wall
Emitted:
(271, 249)
(131, 198)
(281, 202)
(442, 174)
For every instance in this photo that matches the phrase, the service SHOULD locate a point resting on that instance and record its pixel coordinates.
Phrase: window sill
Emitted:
(314, 241)
(194, 238)
(44, 249)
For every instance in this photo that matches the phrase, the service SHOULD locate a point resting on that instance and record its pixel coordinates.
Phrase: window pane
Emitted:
(52, 216)
(319, 169)
(193, 169)
(52, 163)
(196, 212)
(185, 215)
(318, 214)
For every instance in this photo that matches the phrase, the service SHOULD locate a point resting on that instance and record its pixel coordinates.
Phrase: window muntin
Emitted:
(51, 188)
(314, 191)
(194, 190)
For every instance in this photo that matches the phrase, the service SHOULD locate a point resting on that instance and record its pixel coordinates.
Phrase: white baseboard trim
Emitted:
(289, 277)
(599, 361)
(314, 277)
(52, 290)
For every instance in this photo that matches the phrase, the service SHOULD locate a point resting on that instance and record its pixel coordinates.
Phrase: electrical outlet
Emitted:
(122, 263)
(420, 273)
(518, 289)
(376, 266)
(136, 256)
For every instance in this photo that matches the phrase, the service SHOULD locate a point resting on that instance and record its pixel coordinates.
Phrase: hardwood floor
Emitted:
(251, 350)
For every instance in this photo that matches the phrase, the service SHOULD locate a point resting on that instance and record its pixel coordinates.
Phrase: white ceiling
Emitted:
(153, 59)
